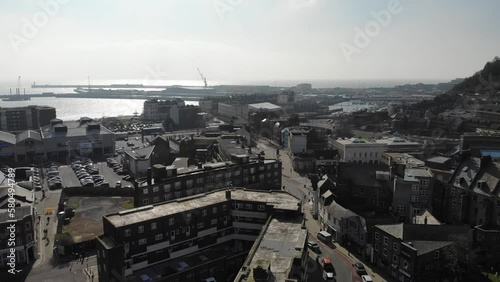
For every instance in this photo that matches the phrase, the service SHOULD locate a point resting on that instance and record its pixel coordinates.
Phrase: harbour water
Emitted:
(75, 108)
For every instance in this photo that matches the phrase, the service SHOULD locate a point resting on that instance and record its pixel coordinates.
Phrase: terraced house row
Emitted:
(165, 183)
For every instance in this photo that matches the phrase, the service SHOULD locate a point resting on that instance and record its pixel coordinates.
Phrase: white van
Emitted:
(325, 237)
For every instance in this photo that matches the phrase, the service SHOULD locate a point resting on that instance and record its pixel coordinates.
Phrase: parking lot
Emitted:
(70, 179)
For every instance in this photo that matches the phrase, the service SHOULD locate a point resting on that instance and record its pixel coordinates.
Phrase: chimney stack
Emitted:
(228, 194)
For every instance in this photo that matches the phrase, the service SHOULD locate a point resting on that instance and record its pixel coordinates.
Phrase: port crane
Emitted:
(203, 77)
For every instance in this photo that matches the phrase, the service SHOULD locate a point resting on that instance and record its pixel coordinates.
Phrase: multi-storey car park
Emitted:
(166, 183)
(207, 235)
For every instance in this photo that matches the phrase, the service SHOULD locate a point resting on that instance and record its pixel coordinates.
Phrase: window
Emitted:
(201, 225)
(140, 229)
(153, 226)
(145, 201)
(29, 238)
(166, 197)
(405, 264)
(145, 191)
(276, 165)
(224, 207)
(424, 182)
(362, 189)
(376, 235)
(261, 207)
(209, 178)
(171, 221)
(213, 221)
(394, 258)
(414, 199)
(28, 225)
(237, 173)
(401, 209)
(376, 247)
(436, 254)
(395, 246)
(424, 193)
(166, 188)
(248, 206)
(159, 237)
(385, 252)
(415, 187)
(214, 210)
(204, 212)
(142, 241)
(156, 189)
(188, 216)
(252, 170)
(188, 229)
(189, 183)
(172, 233)
(199, 180)
(156, 199)
(127, 232)
(386, 240)
(177, 185)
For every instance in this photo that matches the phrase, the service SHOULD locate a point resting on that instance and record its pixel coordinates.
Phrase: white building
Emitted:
(363, 151)
(297, 141)
(264, 107)
(158, 110)
(230, 110)
(359, 150)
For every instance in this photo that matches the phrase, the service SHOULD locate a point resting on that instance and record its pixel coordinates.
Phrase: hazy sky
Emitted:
(245, 40)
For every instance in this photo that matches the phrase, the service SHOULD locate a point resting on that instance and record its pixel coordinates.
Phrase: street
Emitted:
(301, 188)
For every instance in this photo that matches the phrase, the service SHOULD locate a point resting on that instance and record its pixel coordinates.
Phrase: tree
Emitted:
(293, 120)
(168, 123)
(461, 256)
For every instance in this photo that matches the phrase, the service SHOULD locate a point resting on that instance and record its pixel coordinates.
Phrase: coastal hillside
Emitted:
(486, 79)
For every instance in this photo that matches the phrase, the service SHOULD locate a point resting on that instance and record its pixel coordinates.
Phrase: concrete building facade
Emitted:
(163, 240)
(167, 182)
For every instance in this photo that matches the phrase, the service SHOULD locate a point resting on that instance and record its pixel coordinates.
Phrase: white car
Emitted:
(366, 278)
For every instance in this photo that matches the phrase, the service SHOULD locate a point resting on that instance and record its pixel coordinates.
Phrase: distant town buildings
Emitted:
(181, 115)
(18, 119)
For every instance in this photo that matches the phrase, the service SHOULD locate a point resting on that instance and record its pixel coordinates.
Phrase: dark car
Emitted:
(313, 246)
(360, 268)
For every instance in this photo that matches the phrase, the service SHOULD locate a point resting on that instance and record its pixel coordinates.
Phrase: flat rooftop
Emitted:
(264, 106)
(87, 222)
(21, 212)
(75, 129)
(283, 241)
(385, 141)
(278, 199)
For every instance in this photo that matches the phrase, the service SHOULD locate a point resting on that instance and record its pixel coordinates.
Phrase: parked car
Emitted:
(366, 278)
(118, 184)
(328, 270)
(360, 268)
(313, 246)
